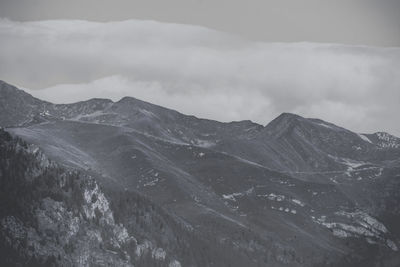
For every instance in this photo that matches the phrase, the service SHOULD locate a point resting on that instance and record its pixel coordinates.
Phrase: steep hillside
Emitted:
(54, 216)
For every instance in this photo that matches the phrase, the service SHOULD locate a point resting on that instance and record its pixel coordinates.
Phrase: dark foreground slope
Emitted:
(297, 192)
(51, 216)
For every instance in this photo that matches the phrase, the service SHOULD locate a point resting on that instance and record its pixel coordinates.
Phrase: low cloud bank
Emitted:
(203, 72)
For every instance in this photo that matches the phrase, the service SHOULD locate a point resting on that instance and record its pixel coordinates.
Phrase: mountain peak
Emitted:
(286, 122)
(283, 122)
(16, 105)
(10, 93)
(127, 99)
(285, 116)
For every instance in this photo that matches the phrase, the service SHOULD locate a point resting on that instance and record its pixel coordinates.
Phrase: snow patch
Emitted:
(151, 183)
(387, 141)
(232, 196)
(360, 224)
(273, 197)
(325, 125)
(147, 113)
(298, 202)
(352, 163)
(204, 143)
(363, 137)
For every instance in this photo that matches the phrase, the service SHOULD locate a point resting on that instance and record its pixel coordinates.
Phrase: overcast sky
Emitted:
(360, 22)
(200, 71)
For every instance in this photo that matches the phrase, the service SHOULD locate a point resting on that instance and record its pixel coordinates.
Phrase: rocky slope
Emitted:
(56, 216)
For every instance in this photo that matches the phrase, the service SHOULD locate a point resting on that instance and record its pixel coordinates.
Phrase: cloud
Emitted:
(203, 72)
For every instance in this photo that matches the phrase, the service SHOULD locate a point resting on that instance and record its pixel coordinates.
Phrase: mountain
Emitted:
(55, 216)
(296, 192)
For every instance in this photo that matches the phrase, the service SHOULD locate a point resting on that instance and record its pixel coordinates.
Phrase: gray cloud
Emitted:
(369, 22)
(203, 72)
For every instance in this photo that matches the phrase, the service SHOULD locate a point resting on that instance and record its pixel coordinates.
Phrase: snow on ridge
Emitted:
(325, 125)
(148, 113)
(365, 138)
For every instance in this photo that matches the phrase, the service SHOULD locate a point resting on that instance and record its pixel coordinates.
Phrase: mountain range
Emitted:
(130, 183)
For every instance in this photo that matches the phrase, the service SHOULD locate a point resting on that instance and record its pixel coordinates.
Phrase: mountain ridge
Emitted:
(278, 193)
(284, 115)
